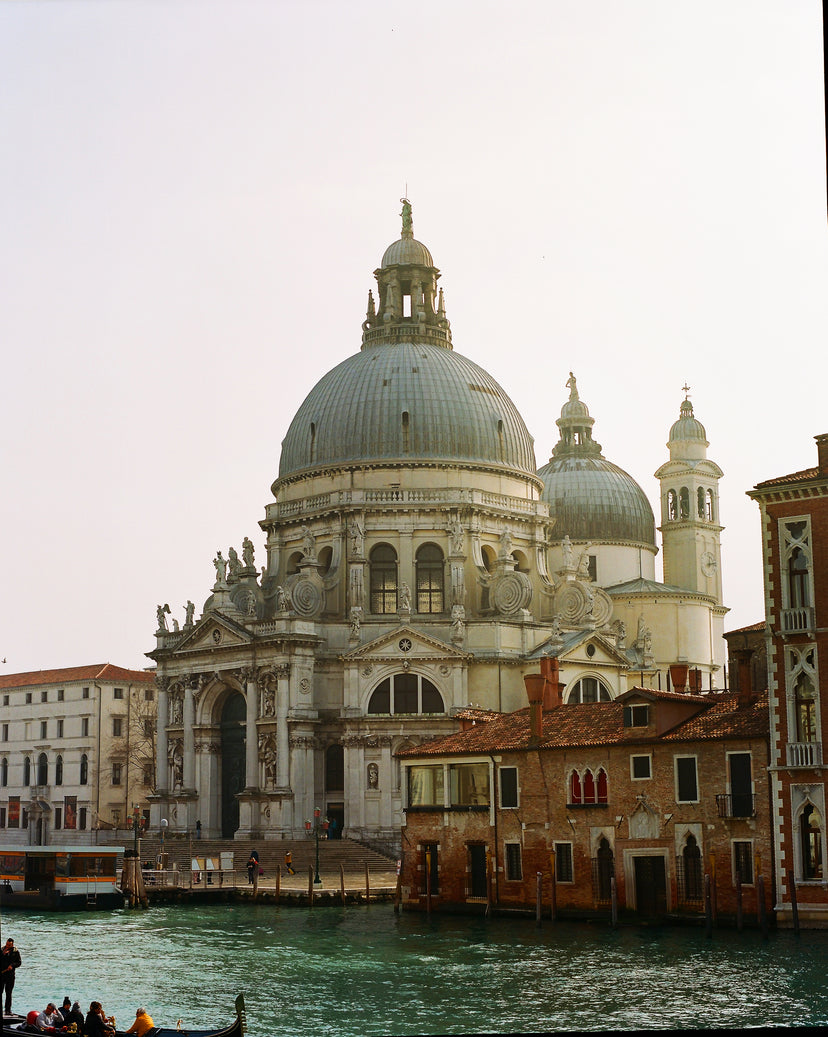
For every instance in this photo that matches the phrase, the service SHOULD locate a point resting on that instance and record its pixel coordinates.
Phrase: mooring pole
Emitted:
(708, 908)
(794, 904)
(538, 897)
(739, 901)
(614, 901)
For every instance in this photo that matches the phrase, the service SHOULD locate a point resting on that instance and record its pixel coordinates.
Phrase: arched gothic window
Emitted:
(588, 787)
(27, 772)
(430, 572)
(798, 590)
(805, 705)
(810, 835)
(575, 794)
(84, 770)
(588, 689)
(406, 693)
(383, 563)
(42, 769)
(59, 771)
(691, 870)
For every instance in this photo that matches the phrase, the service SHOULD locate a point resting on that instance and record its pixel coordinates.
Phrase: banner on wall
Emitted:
(70, 812)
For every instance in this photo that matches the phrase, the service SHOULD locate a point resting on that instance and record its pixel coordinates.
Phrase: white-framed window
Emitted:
(509, 792)
(117, 770)
(514, 862)
(117, 727)
(641, 766)
(796, 561)
(687, 779)
(563, 863)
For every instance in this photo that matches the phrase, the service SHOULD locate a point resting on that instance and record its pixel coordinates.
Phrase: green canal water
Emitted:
(365, 970)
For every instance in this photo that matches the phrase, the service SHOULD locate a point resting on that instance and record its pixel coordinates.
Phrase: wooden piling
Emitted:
(794, 904)
(278, 882)
(613, 902)
(739, 901)
(310, 884)
(367, 885)
(538, 897)
(708, 907)
(553, 895)
(428, 881)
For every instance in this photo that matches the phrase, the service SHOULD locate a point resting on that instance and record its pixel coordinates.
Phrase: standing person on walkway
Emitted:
(9, 964)
(289, 864)
(252, 866)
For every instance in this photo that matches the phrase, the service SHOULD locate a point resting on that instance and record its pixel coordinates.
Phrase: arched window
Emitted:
(798, 589)
(700, 498)
(605, 870)
(521, 561)
(383, 562)
(325, 558)
(575, 795)
(59, 771)
(672, 505)
(589, 787)
(710, 513)
(406, 693)
(4, 771)
(602, 788)
(805, 705)
(430, 571)
(691, 870)
(84, 770)
(589, 689)
(684, 503)
(293, 562)
(42, 769)
(27, 771)
(810, 834)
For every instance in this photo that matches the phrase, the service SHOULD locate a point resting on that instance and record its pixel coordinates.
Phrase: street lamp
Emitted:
(163, 829)
(313, 828)
(136, 824)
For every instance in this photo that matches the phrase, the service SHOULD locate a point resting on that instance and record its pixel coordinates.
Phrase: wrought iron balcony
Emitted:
(742, 804)
(797, 621)
(804, 754)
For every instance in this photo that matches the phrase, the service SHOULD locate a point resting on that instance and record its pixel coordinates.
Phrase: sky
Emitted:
(194, 196)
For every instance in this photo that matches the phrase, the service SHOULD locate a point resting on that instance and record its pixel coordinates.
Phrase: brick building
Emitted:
(794, 510)
(655, 788)
(77, 751)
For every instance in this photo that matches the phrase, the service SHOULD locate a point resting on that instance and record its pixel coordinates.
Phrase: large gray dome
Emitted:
(592, 499)
(410, 402)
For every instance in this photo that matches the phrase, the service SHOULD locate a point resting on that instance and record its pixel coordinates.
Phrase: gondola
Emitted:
(15, 1026)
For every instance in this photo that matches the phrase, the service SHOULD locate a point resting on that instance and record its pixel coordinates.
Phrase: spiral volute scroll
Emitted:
(511, 593)
(307, 598)
(572, 603)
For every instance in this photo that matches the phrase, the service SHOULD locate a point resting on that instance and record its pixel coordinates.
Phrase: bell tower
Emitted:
(690, 529)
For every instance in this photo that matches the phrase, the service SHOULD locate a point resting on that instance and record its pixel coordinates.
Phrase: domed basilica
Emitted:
(418, 562)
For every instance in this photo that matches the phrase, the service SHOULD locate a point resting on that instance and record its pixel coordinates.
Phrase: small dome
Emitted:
(406, 252)
(590, 498)
(687, 426)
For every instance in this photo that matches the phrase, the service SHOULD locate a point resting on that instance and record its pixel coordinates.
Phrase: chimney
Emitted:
(553, 689)
(822, 452)
(534, 691)
(743, 675)
(678, 676)
(695, 678)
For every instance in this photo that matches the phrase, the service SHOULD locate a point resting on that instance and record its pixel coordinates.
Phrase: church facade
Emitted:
(419, 562)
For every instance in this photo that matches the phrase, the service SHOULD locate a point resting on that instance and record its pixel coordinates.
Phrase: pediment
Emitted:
(214, 631)
(575, 651)
(405, 643)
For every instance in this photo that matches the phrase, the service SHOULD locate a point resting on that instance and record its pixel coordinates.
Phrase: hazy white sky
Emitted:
(195, 195)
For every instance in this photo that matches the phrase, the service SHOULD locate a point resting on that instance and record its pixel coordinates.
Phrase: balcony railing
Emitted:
(804, 754)
(742, 804)
(797, 621)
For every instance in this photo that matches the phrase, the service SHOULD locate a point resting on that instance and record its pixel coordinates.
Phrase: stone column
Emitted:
(162, 765)
(302, 751)
(386, 783)
(251, 741)
(188, 777)
(282, 739)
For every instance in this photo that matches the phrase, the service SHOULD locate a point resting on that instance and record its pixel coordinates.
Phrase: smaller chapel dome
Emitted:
(406, 252)
(687, 426)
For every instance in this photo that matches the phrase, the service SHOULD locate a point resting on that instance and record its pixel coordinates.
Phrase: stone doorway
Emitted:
(650, 886)
(233, 717)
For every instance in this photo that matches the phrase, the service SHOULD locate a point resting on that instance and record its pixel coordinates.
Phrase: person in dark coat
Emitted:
(252, 865)
(9, 964)
(96, 1024)
(75, 1016)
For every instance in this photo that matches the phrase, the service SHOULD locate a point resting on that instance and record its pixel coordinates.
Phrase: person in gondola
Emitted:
(75, 1016)
(96, 1024)
(252, 865)
(49, 1018)
(9, 964)
(143, 1022)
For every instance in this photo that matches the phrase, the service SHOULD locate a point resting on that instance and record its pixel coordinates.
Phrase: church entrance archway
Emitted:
(233, 716)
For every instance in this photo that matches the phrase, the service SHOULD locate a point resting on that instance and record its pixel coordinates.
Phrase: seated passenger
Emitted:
(75, 1016)
(143, 1022)
(96, 1024)
(49, 1018)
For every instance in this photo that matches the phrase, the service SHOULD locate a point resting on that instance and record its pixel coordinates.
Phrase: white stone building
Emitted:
(77, 749)
(418, 561)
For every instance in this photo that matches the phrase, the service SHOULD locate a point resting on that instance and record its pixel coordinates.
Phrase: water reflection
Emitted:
(365, 970)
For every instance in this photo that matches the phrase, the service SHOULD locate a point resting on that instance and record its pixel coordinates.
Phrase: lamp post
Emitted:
(313, 828)
(136, 820)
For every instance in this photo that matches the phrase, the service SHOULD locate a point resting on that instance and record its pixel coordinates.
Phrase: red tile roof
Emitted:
(95, 672)
(600, 723)
(746, 630)
(806, 475)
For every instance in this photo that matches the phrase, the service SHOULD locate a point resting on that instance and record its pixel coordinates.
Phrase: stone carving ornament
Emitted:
(511, 593)
(307, 598)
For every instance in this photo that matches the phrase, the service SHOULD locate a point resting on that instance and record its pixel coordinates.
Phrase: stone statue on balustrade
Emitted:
(247, 553)
(162, 612)
(220, 562)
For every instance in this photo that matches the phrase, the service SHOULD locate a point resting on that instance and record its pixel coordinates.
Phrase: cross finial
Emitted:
(686, 390)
